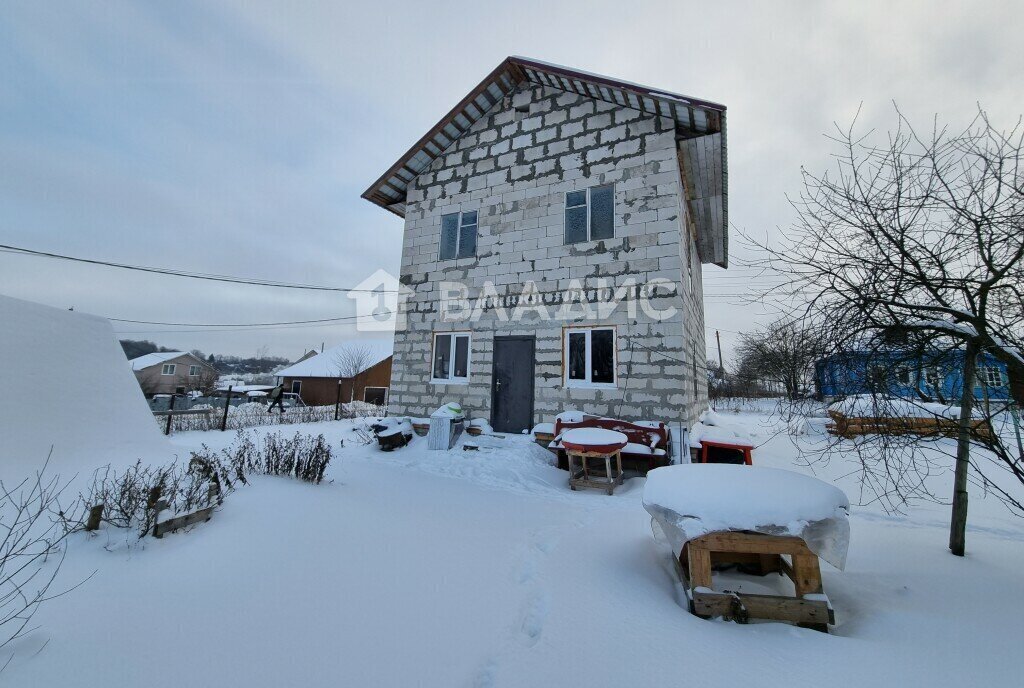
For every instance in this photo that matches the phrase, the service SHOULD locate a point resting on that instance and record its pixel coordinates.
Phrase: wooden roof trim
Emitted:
(416, 147)
(514, 70)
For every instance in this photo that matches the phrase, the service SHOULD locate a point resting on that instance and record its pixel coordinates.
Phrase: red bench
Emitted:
(649, 445)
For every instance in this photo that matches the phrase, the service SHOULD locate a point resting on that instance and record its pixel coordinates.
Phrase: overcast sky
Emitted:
(236, 137)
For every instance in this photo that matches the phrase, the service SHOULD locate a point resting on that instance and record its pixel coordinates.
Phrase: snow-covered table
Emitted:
(594, 443)
(752, 516)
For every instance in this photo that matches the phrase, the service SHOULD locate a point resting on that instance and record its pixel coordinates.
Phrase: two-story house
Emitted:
(555, 226)
(173, 372)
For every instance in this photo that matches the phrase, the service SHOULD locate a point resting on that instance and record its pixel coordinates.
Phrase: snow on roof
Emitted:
(326, 364)
(153, 359)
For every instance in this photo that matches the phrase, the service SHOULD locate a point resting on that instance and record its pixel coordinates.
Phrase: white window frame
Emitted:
(985, 376)
(168, 369)
(385, 393)
(932, 377)
(588, 206)
(587, 384)
(451, 379)
(193, 371)
(296, 390)
(458, 236)
(903, 369)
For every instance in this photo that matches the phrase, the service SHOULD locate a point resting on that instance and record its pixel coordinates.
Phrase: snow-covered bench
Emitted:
(728, 514)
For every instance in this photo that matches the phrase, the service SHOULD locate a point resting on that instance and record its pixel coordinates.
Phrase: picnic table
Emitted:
(588, 444)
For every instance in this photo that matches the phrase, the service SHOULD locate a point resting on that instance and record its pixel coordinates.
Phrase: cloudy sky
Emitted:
(235, 137)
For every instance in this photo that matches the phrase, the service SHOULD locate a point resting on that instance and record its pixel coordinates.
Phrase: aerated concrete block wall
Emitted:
(514, 167)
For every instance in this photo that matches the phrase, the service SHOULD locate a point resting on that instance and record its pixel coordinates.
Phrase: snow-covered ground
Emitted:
(480, 568)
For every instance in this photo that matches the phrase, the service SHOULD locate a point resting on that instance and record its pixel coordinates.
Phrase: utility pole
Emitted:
(721, 363)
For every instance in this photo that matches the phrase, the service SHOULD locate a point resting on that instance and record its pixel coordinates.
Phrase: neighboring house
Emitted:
(321, 379)
(173, 372)
(571, 181)
(938, 376)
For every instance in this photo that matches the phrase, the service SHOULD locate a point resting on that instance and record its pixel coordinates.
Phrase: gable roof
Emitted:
(153, 359)
(325, 364)
(700, 126)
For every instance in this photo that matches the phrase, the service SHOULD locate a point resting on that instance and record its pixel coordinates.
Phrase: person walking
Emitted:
(277, 398)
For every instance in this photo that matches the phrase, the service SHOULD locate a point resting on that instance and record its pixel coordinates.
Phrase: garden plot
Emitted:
(480, 568)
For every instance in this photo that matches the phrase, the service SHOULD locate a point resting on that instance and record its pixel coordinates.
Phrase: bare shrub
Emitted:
(33, 530)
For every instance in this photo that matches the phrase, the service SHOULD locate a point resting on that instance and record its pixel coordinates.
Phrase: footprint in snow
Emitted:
(535, 615)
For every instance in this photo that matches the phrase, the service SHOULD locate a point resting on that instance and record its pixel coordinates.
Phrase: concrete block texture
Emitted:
(515, 170)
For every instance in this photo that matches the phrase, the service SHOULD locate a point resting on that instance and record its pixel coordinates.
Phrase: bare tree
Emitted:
(916, 244)
(784, 351)
(33, 528)
(351, 361)
(206, 381)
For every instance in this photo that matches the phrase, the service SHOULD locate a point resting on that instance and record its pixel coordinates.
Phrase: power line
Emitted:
(285, 322)
(214, 277)
(244, 328)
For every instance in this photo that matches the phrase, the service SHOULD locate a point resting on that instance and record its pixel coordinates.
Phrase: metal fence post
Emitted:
(337, 403)
(170, 416)
(227, 404)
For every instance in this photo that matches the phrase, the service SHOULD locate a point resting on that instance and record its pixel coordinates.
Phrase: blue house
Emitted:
(937, 376)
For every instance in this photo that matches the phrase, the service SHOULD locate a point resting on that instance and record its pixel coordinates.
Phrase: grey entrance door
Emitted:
(512, 384)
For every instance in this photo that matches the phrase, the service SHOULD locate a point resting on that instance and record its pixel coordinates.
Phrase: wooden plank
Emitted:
(806, 574)
(757, 543)
(699, 564)
(183, 521)
(712, 604)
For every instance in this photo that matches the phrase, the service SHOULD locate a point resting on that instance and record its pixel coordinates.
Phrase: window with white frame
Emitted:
(590, 357)
(297, 387)
(932, 377)
(590, 214)
(451, 357)
(193, 371)
(458, 235)
(904, 375)
(990, 376)
(168, 369)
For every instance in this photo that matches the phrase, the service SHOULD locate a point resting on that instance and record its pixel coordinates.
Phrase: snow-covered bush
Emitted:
(303, 456)
(130, 497)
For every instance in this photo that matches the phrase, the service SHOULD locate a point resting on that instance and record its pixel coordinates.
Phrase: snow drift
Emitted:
(68, 386)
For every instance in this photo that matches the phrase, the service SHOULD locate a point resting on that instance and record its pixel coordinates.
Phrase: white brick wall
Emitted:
(515, 173)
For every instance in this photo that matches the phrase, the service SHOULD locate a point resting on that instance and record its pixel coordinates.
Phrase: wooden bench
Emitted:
(763, 554)
(649, 445)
